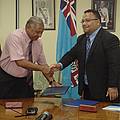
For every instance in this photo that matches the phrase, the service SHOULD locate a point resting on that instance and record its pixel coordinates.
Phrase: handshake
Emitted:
(48, 72)
(50, 69)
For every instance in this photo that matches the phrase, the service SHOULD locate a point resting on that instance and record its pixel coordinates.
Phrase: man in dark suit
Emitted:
(98, 61)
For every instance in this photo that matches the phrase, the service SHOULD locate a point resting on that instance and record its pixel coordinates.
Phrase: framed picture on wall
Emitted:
(45, 9)
(107, 10)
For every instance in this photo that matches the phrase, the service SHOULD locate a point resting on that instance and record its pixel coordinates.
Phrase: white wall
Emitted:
(7, 18)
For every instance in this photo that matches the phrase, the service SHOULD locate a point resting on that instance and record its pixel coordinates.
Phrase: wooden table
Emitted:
(59, 112)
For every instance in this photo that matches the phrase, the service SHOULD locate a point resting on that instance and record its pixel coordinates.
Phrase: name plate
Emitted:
(13, 105)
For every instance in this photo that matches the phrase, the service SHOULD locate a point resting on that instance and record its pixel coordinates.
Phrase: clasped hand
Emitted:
(51, 69)
(48, 71)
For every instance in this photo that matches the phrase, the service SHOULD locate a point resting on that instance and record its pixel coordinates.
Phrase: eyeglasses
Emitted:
(88, 20)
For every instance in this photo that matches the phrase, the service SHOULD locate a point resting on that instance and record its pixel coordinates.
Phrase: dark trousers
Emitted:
(14, 87)
(88, 96)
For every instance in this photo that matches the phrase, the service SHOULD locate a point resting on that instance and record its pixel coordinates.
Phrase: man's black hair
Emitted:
(95, 12)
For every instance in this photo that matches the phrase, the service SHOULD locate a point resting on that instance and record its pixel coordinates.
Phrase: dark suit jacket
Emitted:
(102, 65)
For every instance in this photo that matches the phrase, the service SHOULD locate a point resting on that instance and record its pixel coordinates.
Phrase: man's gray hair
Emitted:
(34, 20)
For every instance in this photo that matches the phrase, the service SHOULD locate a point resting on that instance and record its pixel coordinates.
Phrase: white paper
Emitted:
(112, 108)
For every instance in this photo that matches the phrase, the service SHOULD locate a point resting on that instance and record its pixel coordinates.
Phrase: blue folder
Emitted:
(77, 102)
(51, 91)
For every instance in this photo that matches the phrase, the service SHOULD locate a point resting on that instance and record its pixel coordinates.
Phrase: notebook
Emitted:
(78, 102)
(51, 91)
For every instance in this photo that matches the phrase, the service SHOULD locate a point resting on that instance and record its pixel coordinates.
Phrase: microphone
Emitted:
(45, 116)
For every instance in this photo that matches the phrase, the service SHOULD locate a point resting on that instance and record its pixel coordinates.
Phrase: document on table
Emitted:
(55, 91)
(113, 107)
(78, 102)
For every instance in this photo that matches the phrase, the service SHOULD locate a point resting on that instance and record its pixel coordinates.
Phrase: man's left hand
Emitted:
(112, 93)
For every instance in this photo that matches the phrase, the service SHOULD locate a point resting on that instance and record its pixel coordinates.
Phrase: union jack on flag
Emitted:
(68, 7)
(66, 39)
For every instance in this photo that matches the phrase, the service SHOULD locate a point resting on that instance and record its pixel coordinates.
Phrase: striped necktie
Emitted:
(30, 72)
(88, 46)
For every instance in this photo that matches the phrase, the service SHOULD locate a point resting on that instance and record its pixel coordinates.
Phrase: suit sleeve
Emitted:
(71, 55)
(112, 51)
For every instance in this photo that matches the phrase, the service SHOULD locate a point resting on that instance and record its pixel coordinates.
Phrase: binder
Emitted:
(52, 91)
(78, 102)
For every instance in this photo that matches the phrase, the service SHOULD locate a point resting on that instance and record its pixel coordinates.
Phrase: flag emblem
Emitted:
(68, 7)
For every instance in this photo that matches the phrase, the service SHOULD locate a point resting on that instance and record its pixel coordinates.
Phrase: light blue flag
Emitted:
(67, 38)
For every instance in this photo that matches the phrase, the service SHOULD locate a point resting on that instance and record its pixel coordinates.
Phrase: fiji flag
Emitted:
(67, 38)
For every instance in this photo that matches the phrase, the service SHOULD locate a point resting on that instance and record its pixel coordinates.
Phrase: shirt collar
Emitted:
(28, 40)
(93, 35)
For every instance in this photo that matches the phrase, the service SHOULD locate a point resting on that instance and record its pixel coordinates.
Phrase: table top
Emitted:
(55, 107)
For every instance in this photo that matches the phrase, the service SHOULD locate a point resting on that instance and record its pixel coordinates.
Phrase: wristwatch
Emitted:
(50, 82)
